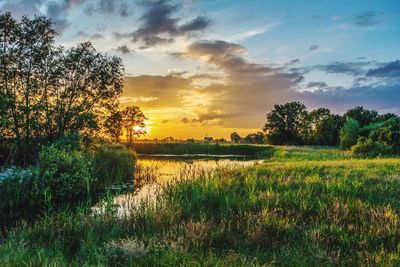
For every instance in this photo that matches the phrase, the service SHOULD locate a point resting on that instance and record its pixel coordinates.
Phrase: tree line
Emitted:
(47, 91)
(363, 130)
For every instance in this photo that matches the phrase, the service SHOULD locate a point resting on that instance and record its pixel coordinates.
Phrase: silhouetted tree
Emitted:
(133, 117)
(114, 125)
(47, 91)
(286, 123)
(235, 138)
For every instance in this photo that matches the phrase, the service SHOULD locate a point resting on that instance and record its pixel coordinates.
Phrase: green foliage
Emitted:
(325, 127)
(16, 192)
(361, 115)
(64, 176)
(113, 165)
(286, 123)
(349, 133)
(368, 147)
(388, 134)
(47, 91)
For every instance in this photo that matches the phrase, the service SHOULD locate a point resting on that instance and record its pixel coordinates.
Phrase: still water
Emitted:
(154, 172)
(166, 170)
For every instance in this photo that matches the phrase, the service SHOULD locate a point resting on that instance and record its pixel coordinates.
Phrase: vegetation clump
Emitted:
(114, 166)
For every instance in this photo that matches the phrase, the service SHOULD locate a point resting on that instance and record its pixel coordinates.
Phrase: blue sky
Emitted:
(215, 66)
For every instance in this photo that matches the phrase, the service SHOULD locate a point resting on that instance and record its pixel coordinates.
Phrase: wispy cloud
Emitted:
(368, 18)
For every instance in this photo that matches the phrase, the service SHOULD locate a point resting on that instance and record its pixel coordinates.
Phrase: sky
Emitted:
(212, 67)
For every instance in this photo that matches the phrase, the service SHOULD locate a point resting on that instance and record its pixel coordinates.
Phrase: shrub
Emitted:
(349, 133)
(64, 176)
(15, 191)
(368, 147)
(114, 165)
(388, 134)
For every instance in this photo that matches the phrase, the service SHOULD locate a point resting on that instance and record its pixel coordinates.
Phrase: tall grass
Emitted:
(114, 166)
(286, 212)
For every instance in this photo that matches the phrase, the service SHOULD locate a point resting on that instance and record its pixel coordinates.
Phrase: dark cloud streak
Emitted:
(159, 27)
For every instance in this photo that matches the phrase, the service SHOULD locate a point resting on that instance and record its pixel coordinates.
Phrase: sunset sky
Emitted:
(212, 67)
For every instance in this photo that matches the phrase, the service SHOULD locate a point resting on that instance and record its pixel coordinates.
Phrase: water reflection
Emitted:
(153, 173)
(168, 169)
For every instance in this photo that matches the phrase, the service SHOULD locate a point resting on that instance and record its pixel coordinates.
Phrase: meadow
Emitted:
(304, 206)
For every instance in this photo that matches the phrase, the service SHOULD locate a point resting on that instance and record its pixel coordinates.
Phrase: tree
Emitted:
(48, 91)
(133, 120)
(286, 123)
(254, 138)
(114, 125)
(89, 90)
(325, 127)
(363, 116)
(386, 117)
(235, 138)
(388, 134)
(349, 133)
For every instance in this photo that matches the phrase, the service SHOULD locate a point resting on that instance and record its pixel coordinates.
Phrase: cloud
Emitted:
(22, 7)
(318, 85)
(185, 120)
(313, 48)
(159, 27)
(368, 18)
(388, 70)
(57, 11)
(110, 7)
(129, 99)
(124, 49)
(339, 67)
(382, 97)
(166, 91)
(248, 90)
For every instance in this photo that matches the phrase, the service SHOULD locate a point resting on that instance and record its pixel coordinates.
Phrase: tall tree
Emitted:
(325, 127)
(47, 91)
(134, 122)
(286, 123)
(362, 115)
(114, 125)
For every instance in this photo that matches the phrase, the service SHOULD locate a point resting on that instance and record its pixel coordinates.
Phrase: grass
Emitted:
(304, 207)
(203, 148)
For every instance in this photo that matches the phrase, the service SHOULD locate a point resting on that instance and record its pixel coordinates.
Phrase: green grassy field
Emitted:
(303, 207)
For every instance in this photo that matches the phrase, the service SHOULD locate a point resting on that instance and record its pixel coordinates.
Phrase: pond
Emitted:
(154, 172)
(167, 169)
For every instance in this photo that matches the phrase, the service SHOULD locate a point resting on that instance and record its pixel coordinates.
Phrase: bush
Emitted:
(114, 165)
(368, 147)
(349, 133)
(16, 186)
(388, 134)
(64, 176)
